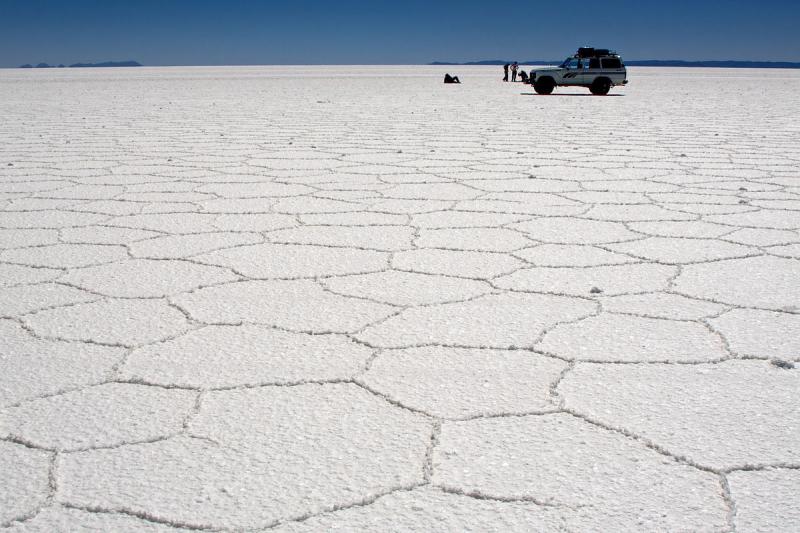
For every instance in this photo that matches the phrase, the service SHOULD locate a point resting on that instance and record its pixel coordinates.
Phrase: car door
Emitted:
(613, 69)
(573, 72)
(591, 71)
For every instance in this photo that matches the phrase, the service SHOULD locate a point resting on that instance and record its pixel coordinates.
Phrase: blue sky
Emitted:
(206, 32)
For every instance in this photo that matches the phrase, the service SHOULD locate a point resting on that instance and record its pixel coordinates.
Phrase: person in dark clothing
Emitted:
(514, 71)
(523, 76)
(451, 79)
(505, 72)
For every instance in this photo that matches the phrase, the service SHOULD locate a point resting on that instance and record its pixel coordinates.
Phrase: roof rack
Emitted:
(588, 51)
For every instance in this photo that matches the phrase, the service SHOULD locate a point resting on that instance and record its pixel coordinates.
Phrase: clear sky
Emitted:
(235, 32)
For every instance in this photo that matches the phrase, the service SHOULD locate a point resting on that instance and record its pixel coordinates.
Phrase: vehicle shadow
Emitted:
(568, 94)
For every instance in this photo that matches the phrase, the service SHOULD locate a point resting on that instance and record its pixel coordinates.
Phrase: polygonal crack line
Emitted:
(748, 226)
(193, 257)
(21, 316)
(547, 329)
(367, 366)
(52, 486)
(63, 270)
(760, 467)
(501, 347)
(730, 503)
(141, 515)
(16, 439)
(553, 395)
(161, 233)
(447, 275)
(479, 495)
(530, 265)
(189, 328)
(24, 517)
(68, 270)
(652, 445)
(726, 345)
(732, 306)
(477, 250)
(427, 466)
(780, 255)
(700, 321)
(391, 401)
(404, 307)
(245, 278)
(193, 412)
(662, 262)
(24, 325)
(332, 509)
(57, 281)
(685, 362)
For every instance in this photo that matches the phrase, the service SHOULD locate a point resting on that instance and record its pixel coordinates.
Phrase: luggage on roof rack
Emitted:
(587, 51)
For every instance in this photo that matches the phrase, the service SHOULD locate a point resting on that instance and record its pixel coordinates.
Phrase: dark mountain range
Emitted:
(108, 64)
(649, 63)
(88, 65)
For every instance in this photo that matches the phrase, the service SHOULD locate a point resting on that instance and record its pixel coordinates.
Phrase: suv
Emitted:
(595, 68)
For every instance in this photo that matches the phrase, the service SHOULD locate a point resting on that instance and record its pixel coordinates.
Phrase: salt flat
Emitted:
(311, 298)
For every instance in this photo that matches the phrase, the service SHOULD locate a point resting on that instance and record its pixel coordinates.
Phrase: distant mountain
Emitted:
(107, 64)
(649, 63)
(88, 65)
(720, 64)
(494, 62)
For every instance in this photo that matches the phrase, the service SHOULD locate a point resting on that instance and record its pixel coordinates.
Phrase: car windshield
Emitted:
(573, 63)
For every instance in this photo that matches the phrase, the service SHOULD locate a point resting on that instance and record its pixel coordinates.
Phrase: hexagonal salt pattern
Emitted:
(496, 321)
(300, 305)
(767, 500)
(120, 322)
(59, 518)
(329, 445)
(26, 484)
(617, 338)
(141, 278)
(231, 356)
(31, 367)
(708, 414)
(461, 383)
(103, 416)
(435, 511)
(766, 282)
(248, 298)
(762, 334)
(594, 475)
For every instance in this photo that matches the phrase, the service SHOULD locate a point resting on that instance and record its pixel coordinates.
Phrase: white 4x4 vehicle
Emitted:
(597, 69)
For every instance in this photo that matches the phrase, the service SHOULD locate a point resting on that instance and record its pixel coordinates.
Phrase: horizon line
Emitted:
(486, 62)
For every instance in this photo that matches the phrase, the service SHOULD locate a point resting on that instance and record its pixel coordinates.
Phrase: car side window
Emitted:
(594, 62)
(612, 63)
(573, 63)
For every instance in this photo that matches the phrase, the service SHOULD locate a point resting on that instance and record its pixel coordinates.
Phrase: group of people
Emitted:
(514, 68)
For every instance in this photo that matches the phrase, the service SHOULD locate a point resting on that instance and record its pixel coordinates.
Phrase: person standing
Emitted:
(514, 67)
(505, 72)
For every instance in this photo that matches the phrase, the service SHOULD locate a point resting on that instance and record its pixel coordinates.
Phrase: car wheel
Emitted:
(601, 86)
(544, 85)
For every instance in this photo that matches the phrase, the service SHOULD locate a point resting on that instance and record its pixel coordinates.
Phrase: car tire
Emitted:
(544, 85)
(600, 86)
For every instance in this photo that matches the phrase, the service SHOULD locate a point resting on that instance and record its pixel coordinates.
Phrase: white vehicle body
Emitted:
(599, 72)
